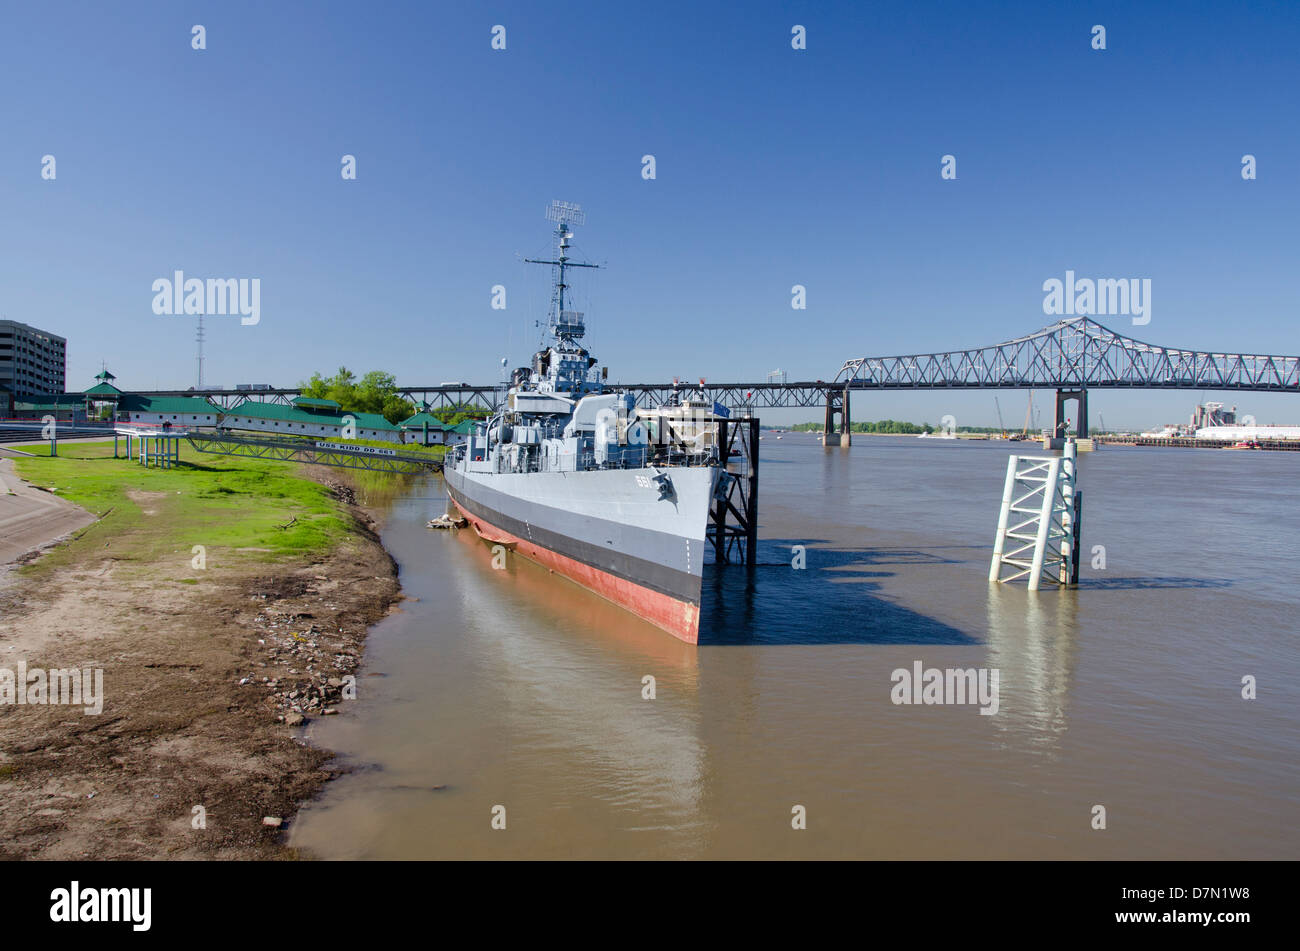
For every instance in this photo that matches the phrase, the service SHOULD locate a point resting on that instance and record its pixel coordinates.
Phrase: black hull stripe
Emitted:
(676, 584)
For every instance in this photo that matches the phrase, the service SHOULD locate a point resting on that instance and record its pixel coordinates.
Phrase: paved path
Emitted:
(30, 518)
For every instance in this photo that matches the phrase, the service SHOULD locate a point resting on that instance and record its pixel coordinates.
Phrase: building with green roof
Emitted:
(177, 410)
(445, 435)
(309, 420)
(64, 407)
(415, 428)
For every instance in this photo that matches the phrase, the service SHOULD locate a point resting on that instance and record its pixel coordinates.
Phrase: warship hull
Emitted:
(616, 532)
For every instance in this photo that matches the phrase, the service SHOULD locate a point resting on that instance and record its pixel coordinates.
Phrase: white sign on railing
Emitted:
(364, 450)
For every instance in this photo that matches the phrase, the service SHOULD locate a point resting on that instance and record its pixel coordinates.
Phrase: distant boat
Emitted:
(936, 436)
(1168, 432)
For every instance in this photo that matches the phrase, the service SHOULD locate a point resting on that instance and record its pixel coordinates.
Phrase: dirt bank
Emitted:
(199, 680)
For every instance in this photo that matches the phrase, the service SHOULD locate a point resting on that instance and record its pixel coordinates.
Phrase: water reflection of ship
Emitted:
(571, 665)
(587, 619)
(1031, 640)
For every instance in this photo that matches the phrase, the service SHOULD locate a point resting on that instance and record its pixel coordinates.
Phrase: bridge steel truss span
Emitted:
(748, 395)
(1072, 357)
(434, 397)
(1077, 353)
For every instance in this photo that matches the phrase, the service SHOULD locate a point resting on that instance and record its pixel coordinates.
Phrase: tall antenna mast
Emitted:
(566, 325)
(198, 336)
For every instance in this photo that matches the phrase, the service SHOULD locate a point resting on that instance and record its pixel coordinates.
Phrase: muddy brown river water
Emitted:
(513, 688)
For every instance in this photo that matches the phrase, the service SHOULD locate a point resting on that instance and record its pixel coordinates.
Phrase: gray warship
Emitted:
(582, 481)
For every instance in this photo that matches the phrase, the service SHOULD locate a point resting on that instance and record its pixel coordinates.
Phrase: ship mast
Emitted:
(566, 325)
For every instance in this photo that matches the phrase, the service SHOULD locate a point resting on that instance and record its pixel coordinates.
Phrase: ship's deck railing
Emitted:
(586, 461)
(648, 456)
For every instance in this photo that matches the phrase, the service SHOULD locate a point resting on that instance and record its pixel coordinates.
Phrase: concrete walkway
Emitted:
(30, 518)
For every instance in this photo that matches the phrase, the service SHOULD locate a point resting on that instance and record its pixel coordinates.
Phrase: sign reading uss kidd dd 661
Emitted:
(365, 450)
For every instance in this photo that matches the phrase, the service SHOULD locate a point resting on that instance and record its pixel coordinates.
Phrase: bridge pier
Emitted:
(1080, 396)
(837, 404)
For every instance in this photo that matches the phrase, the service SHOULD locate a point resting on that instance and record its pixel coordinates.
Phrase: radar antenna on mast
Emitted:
(562, 211)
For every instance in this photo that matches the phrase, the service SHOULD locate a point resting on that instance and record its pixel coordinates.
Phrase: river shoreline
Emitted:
(200, 740)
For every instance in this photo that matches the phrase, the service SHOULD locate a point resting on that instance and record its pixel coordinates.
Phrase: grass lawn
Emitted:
(238, 508)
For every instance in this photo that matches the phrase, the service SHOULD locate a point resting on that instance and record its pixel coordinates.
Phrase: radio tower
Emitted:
(198, 336)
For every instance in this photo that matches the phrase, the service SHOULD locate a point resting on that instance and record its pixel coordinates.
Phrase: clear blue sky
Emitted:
(775, 167)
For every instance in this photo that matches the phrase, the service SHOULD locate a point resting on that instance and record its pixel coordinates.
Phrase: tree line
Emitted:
(887, 426)
(376, 392)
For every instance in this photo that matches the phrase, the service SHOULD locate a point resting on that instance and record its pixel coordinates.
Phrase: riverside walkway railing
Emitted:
(313, 452)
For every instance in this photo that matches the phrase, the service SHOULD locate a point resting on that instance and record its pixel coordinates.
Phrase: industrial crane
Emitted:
(1024, 433)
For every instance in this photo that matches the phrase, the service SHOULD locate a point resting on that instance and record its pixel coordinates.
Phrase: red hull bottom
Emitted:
(679, 618)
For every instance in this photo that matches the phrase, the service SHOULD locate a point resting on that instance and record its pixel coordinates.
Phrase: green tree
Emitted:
(452, 415)
(341, 387)
(396, 409)
(376, 392)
